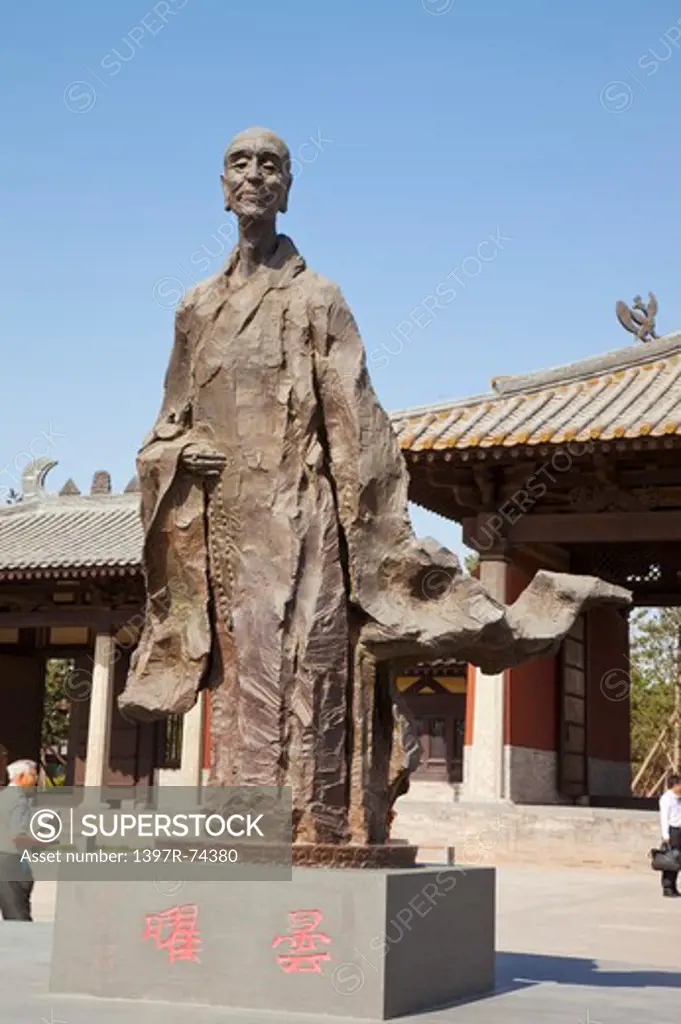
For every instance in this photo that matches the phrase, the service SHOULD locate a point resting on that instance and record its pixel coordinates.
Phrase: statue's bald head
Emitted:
(257, 161)
(263, 137)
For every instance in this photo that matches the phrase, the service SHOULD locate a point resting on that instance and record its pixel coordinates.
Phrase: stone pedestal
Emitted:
(365, 944)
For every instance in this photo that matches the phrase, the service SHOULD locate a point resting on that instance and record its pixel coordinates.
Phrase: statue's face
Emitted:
(257, 176)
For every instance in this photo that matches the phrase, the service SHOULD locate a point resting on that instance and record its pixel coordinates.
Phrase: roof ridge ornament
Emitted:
(101, 483)
(33, 477)
(640, 319)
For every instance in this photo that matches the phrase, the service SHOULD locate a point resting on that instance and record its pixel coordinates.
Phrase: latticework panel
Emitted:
(643, 568)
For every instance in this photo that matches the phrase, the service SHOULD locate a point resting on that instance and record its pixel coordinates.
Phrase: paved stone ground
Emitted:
(575, 946)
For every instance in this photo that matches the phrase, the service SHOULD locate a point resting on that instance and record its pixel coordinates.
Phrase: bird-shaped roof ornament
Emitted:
(640, 319)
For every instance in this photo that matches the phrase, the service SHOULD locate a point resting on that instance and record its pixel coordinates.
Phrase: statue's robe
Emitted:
(251, 578)
(284, 582)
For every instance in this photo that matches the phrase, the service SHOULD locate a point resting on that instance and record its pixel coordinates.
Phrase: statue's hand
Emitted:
(200, 458)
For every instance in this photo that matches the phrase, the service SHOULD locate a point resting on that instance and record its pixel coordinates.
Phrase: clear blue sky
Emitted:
(437, 123)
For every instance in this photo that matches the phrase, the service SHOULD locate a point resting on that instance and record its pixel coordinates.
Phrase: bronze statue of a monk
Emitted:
(282, 571)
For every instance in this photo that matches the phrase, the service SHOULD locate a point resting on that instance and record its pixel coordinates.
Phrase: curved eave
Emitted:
(500, 453)
(625, 396)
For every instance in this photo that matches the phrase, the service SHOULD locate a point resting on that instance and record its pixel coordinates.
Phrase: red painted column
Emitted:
(531, 717)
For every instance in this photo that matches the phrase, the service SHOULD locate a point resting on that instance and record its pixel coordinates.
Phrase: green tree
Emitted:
(471, 562)
(56, 707)
(655, 693)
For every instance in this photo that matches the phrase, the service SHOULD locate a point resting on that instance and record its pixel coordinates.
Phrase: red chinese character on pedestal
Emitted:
(303, 940)
(175, 930)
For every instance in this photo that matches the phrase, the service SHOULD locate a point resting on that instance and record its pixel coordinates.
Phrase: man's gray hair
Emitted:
(20, 768)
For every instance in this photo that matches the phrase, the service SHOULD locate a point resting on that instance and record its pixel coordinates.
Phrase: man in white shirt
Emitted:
(670, 828)
(16, 879)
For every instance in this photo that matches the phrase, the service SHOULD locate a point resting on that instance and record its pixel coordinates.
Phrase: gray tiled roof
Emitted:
(68, 531)
(630, 393)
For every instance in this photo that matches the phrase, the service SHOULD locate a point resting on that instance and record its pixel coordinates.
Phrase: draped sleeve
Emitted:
(369, 472)
(171, 657)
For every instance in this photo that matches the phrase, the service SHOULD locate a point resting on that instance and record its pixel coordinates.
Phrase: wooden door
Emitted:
(22, 691)
(439, 721)
(572, 763)
(433, 733)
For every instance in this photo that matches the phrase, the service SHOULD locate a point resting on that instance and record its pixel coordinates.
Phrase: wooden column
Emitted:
(192, 744)
(79, 689)
(101, 707)
(484, 768)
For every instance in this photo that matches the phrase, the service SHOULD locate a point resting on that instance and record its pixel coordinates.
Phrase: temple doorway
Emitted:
(435, 695)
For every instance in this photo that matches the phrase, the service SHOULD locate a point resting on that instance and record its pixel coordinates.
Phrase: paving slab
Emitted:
(578, 913)
(573, 946)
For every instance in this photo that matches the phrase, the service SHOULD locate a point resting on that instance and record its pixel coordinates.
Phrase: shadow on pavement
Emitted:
(518, 970)
(522, 971)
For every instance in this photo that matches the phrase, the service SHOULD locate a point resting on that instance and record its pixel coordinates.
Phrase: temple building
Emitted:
(71, 587)
(571, 469)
